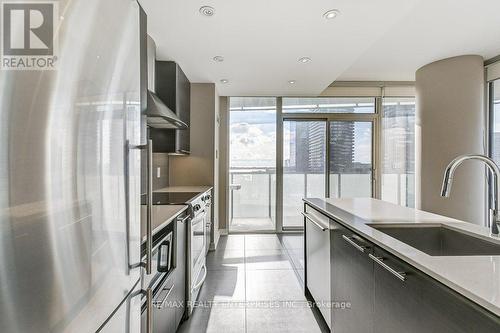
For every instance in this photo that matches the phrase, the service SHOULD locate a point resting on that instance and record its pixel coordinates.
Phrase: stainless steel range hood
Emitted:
(160, 116)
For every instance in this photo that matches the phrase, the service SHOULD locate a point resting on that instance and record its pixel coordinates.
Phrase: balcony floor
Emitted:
(251, 224)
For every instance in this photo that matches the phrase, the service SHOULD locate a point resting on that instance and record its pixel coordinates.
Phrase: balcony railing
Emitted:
(253, 192)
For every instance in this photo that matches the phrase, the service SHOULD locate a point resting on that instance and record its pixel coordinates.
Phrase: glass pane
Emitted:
(329, 105)
(398, 151)
(350, 159)
(252, 172)
(304, 156)
(495, 140)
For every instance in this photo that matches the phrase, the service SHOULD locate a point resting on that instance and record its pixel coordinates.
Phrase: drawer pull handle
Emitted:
(160, 304)
(380, 261)
(316, 223)
(350, 240)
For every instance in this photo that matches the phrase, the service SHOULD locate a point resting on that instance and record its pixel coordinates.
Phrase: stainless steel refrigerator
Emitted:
(70, 175)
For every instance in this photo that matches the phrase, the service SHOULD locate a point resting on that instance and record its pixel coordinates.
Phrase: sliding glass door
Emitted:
(315, 148)
(351, 159)
(304, 166)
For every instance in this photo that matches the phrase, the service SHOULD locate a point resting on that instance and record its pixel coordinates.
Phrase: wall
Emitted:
(450, 119)
(160, 171)
(201, 166)
(224, 164)
(198, 167)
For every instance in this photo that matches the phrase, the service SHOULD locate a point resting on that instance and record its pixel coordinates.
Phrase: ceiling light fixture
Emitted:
(331, 14)
(304, 60)
(207, 11)
(291, 81)
(218, 58)
(224, 81)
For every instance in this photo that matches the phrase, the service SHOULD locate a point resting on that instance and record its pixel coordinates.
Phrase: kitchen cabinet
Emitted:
(163, 316)
(174, 89)
(396, 302)
(386, 294)
(352, 281)
(421, 304)
(318, 258)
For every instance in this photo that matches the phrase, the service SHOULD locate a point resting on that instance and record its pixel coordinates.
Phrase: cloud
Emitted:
(253, 145)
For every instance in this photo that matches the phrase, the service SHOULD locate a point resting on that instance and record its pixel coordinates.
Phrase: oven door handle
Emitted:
(198, 285)
(198, 219)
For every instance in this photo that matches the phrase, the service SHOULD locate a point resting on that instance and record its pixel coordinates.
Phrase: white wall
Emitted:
(450, 120)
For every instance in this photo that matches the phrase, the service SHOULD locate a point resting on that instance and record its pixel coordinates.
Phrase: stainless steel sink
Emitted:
(439, 240)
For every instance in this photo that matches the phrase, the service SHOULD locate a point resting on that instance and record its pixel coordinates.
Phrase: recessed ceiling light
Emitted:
(291, 81)
(224, 81)
(207, 11)
(304, 60)
(331, 14)
(218, 58)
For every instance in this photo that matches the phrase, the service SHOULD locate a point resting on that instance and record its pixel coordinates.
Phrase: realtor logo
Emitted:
(28, 39)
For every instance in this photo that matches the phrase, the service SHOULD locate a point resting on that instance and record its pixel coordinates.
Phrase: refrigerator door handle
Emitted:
(149, 309)
(128, 147)
(149, 206)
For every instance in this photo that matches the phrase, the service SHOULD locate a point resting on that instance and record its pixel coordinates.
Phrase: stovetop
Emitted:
(171, 198)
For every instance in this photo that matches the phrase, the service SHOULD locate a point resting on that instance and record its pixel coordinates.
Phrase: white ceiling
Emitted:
(261, 40)
(432, 30)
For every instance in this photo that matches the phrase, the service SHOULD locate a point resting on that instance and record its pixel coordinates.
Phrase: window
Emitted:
(329, 105)
(398, 151)
(495, 121)
(252, 172)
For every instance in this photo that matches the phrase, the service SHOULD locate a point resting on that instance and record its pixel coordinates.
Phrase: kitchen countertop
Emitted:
(475, 277)
(200, 189)
(162, 215)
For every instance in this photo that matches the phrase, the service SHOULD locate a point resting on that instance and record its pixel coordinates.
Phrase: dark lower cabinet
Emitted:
(352, 282)
(422, 304)
(396, 302)
(387, 295)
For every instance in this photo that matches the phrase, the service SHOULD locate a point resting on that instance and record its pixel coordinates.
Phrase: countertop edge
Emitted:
(165, 221)
(342, 214)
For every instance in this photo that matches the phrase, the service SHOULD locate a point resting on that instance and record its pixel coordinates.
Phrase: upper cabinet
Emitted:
(174, 89)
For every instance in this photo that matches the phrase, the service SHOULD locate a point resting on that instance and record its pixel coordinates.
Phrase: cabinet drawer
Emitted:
(352, 281)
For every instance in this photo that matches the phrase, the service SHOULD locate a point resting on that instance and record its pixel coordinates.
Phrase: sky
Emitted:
(253, 139)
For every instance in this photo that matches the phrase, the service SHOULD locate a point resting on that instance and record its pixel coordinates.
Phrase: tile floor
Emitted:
(251, 224)
(251, 286)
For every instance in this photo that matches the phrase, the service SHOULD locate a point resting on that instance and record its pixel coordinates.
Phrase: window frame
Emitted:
(375, 118)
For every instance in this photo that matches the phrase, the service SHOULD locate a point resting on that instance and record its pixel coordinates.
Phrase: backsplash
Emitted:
(160, 171)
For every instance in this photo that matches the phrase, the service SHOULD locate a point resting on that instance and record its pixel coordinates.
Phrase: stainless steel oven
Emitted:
(197, 244)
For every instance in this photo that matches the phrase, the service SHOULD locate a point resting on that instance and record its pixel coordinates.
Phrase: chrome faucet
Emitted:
(493, 213)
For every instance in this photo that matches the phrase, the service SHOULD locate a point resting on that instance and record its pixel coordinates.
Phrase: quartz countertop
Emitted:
(162, 215)
(201, 189)
(475, 277)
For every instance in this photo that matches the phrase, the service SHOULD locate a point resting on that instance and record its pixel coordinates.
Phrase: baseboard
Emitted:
(213, 246)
